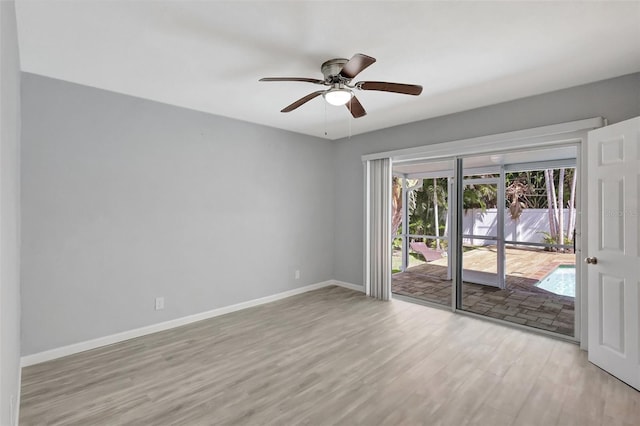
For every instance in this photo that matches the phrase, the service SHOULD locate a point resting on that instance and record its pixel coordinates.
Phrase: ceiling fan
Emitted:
(338, 74)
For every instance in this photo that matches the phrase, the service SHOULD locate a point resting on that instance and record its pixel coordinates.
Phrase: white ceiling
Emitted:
(209, 55)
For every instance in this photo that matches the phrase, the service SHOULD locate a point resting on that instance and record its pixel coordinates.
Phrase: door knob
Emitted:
(591, 260)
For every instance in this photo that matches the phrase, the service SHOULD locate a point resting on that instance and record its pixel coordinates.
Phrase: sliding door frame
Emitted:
(499, 237)
(565, 134)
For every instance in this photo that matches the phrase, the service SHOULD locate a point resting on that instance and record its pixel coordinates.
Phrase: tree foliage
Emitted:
(549, 189)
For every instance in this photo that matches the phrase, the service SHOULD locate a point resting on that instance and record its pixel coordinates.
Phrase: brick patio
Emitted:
(521, 302)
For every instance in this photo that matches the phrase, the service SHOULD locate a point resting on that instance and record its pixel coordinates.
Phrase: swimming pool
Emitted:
(561, 280)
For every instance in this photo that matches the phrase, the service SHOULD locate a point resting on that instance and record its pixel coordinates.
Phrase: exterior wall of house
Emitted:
(615, 99)
(126, 199)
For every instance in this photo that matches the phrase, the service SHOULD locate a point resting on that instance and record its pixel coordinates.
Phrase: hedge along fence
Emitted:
(528, 228)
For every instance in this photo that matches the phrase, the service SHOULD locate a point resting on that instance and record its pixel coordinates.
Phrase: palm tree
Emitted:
(551, 203)
(556, 204)
(479, 196)
(425, 212)
(396, 200)
(396, 205)
(435, 213)
(516, 192)
(561, 207)
(572, 205)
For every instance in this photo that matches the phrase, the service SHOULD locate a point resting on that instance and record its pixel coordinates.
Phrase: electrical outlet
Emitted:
(159, 303)
(297, 274)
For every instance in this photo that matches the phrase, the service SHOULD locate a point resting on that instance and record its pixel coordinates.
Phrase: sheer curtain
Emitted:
(378, 228)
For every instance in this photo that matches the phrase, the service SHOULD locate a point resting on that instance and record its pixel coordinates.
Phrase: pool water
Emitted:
(561, 280)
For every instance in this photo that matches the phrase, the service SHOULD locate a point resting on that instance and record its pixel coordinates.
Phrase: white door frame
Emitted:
(570, 133)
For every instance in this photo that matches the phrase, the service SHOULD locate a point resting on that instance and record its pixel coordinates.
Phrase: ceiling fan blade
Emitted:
(356, 64)
(406, 89)
(356, 108)
(302, 79)
(302, 101)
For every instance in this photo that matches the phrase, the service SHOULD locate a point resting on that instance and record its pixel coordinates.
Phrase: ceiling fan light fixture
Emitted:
(338, 96)
(338, 75)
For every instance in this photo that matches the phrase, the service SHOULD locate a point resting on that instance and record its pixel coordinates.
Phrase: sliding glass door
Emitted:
(512, 256)
(421, 224)
(518, 222)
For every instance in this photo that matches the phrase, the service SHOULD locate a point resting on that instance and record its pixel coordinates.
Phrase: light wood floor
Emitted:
(332, 356)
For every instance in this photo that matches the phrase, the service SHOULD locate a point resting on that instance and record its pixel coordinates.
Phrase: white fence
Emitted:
(528, 228)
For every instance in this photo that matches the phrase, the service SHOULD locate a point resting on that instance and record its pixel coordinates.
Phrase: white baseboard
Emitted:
(60, 352)
(350, 286)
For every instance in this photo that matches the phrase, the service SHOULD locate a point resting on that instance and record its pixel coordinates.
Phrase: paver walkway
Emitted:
(521, 302)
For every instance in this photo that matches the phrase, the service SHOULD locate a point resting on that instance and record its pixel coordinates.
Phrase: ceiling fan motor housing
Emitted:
(331, 70)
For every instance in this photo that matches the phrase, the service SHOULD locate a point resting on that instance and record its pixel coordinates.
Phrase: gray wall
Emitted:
(9, 214)
(125, 199)
(616, 99)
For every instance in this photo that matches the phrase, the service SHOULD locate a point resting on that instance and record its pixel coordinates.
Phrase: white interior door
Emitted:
(614, 249)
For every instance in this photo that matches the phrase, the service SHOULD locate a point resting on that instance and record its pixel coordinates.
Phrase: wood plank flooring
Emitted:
(331, 356)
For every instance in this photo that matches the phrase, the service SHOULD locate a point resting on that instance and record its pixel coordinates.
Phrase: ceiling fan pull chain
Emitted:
(350, 115)
(325, 118)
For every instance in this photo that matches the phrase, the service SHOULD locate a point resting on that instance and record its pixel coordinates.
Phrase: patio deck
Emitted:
(521, 302)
